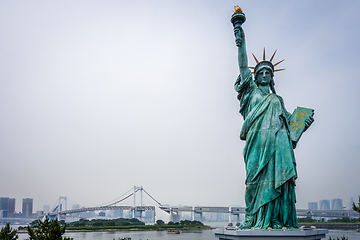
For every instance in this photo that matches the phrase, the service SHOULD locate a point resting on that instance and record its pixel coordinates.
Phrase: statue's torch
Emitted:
(238, 17)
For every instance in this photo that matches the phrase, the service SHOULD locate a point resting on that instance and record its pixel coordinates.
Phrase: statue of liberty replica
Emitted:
(271, 134)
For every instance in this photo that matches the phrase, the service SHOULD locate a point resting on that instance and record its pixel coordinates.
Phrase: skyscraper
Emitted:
(313, 205)
(27, 207)
(325, 204)
(4, 206)
(336, 204)
(7, 206)
(11, 212)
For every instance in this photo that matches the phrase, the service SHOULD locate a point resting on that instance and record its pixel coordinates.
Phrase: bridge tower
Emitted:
(136, 189)
(59, 205)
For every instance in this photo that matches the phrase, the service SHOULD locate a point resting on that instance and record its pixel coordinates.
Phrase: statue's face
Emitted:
(264, 77)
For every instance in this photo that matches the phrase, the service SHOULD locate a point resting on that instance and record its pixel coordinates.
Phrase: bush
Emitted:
(160, 222)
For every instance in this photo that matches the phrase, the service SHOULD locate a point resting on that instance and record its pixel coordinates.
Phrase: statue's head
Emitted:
(267, 68)
(264, 74)
(264, 65)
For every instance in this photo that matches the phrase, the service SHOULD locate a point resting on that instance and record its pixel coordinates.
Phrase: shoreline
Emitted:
(129, 229)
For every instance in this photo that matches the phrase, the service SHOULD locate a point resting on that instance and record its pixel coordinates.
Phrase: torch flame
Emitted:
(237, 9)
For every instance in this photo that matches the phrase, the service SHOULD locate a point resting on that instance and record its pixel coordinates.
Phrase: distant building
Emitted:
(313, 206)
(39, 213)
(8, 206)
(4, 207)
(325, 204)
(46, 208)
(149, 216)
(3, 214)
(27, 207)
(336, 204)
(76, 206)
(118, 213)
(11, 211)
(351, 203)
(129, 214)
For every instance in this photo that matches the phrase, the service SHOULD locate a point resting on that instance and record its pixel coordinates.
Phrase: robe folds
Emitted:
(269, 159)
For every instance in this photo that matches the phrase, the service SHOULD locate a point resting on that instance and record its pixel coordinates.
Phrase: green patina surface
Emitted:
(268, 153)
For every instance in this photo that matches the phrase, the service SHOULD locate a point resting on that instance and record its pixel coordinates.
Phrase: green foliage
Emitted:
(357, 208)
(98, 224)
(171, 223)
(306, 220)
(191, 223)
(34, 224)
(342, 238)
(336, 220)
(106, 222)
(8, 233)
(62, 223)
(343, 220)
(111, 223)
(160, 222)
(47, 230)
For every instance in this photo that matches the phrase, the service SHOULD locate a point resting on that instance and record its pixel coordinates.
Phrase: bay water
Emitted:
(206, 234)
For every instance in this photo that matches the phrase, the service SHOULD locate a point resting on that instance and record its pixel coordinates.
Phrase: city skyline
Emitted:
(333, 204)
(96, 97)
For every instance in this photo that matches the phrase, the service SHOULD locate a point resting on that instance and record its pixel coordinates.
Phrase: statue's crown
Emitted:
(266, 64)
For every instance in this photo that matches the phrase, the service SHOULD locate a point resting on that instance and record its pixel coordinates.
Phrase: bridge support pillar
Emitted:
(193, 214)
(174, 216)
(154, 216)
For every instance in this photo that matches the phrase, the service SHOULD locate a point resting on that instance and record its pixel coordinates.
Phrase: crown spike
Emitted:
(278, 62)
(251, 67)
(255, 58)
(264, 55)
(272, 57)
(278, 70)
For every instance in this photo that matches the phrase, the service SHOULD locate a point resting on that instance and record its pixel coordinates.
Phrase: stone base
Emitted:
(270, 235)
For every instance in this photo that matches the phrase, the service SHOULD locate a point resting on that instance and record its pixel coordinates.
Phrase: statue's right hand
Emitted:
(239, 35)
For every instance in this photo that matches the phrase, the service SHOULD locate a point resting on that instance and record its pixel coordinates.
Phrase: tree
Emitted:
(8, 233)
(160, 222)
(47, 230)
(357, 208)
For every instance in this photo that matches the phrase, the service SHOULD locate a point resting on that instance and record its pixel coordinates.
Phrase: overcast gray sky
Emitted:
(98, 96)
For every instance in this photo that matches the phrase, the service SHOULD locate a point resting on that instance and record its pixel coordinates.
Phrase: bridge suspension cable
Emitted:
(121, 199)
(111, 202)
(152, 197)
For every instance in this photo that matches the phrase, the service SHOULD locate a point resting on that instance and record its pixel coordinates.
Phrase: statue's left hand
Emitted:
(308, 122)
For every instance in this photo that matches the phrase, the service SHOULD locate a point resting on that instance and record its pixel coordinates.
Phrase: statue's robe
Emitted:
(269, 158)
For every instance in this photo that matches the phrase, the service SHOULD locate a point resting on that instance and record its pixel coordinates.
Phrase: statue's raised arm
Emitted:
(242, 55)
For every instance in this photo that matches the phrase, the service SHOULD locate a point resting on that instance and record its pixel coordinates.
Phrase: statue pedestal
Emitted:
(270, 235)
